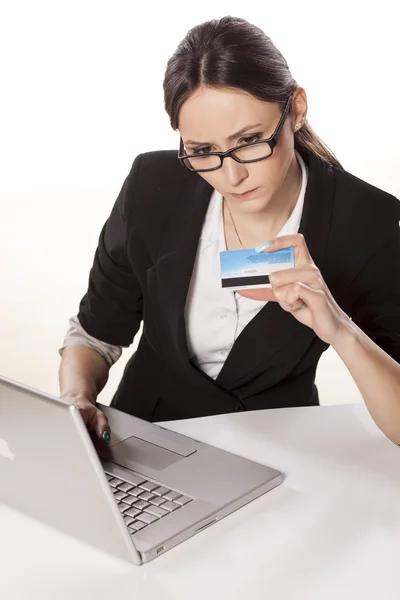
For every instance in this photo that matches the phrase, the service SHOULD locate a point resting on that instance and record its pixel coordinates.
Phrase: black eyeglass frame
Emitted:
(271, 141)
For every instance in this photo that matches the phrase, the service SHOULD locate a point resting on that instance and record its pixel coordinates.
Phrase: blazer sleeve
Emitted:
(377, 288)
(111, 309)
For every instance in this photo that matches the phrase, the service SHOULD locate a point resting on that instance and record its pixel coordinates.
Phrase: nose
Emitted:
(234, 172)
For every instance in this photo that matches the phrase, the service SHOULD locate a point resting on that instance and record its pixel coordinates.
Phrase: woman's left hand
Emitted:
(303, 292)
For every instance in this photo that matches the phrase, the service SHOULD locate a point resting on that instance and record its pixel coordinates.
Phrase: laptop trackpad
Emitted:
(133, 452)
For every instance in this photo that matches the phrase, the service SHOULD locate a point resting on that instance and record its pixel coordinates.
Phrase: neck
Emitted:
(283, 202)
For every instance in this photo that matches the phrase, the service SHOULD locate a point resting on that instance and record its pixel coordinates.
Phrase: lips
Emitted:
(245, 194)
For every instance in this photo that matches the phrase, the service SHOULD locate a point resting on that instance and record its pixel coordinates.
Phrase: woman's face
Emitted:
(210, 118)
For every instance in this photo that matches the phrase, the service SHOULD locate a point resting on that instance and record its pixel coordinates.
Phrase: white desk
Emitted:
(331, 530)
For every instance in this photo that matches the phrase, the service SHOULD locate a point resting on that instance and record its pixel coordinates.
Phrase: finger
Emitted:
(260, 294)
(309, 275)
(301, 253)
(87, 411)
(100, 425)
(299, 293)
(288, 299)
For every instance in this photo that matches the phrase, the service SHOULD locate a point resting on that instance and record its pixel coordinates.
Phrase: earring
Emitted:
(300, 124)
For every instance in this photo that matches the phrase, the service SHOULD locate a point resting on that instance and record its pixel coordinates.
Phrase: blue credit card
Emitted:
(246, 269)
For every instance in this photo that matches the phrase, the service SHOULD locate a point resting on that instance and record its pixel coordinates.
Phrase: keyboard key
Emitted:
(157, 511)
(145, 496)
(136, 480)
(114, 482)
(132, 512)
(136, 491)
(156, 501)
(119, 495)
(182, 500)
(170, 506)
(146, 518)
(171, 496)
(137, 525)
(128, 520)
(109, 477)
(125, 487)
(130, 500)
(148, 486)
(161, 491)
(140, 505)
(123, 507)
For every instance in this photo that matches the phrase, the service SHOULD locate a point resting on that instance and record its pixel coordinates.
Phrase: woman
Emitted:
(250, 170)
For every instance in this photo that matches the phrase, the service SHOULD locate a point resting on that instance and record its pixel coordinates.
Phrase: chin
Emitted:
(253, 205)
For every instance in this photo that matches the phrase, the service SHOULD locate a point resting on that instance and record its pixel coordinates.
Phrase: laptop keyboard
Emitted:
(143, 502)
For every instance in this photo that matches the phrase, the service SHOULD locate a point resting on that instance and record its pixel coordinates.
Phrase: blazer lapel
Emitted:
(169, 278)
(259, 346)
(168, 283)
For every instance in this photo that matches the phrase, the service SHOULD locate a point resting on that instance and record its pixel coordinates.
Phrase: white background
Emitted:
(81, 96)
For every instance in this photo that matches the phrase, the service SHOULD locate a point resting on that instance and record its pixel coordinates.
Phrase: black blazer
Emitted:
(142, 270)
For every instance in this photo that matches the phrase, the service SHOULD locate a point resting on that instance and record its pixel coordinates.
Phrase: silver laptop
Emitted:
(145, 493)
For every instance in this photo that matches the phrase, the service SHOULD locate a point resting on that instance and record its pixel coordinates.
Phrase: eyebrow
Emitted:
(230, 138)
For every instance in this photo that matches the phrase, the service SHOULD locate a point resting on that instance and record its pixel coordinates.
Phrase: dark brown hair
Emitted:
(231, 52)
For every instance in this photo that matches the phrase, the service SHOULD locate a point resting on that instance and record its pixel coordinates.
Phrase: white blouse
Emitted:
(215, 316)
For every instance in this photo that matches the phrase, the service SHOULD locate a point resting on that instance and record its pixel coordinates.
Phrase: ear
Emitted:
(299, 108)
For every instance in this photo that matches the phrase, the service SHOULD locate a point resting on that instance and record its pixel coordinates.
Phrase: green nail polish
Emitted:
(106, 437)
(262, 247)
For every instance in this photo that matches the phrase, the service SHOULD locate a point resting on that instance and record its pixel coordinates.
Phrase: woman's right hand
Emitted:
(93, 418)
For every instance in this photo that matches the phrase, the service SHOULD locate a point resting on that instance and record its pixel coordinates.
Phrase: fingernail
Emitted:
(300, 306)
(263, 246)
(106, 437)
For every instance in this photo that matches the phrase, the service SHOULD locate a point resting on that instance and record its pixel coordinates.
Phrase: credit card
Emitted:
(247, 269)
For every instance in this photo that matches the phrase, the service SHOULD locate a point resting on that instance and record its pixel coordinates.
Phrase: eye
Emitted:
(244, 140)
(202, 150)
(250, 138)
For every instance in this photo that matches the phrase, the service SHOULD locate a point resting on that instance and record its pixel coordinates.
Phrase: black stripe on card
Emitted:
(253, 280)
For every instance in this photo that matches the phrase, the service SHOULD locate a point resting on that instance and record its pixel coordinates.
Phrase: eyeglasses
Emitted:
(245, 153)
